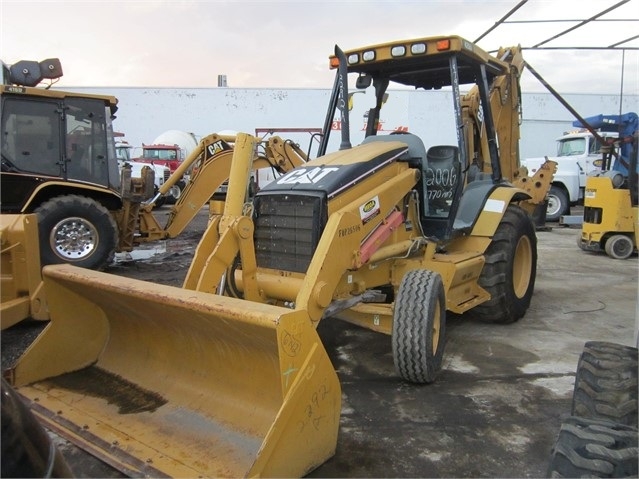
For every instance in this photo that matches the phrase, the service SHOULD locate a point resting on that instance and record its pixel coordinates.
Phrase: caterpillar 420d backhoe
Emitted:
(227, 376)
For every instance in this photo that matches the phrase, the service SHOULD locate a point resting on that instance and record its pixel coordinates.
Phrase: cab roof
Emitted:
(422, 62)
(48, 93)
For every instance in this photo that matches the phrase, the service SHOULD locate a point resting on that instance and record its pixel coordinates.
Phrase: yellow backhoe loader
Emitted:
(227, 376)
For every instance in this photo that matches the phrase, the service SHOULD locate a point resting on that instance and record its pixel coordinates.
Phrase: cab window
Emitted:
(31, 136)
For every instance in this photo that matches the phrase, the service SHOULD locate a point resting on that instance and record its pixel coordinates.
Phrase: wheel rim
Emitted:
(553, 205)
(175, 192)
(522, 266)
(73, 238)
(436, 329)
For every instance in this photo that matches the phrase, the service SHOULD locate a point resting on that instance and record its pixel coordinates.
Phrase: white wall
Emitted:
(144, 113)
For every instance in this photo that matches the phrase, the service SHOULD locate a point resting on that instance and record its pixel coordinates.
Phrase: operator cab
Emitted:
(52, 135)
(430, 64)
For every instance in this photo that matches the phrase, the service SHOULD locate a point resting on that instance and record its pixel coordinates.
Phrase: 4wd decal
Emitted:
(306, 176)
(369, 210)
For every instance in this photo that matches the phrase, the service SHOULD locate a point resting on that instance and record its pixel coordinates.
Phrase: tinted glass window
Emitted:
(86, 142)
(31, 136)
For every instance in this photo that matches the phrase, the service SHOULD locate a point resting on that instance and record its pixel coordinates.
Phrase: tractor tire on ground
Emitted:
(76, 230)
(558, 203)
(619, 247)
(510, 269)
(593, 448)
(606, 383)
(419, 326)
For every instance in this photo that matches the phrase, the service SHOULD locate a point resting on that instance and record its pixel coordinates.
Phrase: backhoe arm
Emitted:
(505, 102)
(210, 165)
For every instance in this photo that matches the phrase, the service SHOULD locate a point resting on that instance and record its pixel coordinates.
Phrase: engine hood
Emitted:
(335, 172)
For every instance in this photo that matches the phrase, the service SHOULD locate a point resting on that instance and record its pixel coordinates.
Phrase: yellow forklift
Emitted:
(610, 203)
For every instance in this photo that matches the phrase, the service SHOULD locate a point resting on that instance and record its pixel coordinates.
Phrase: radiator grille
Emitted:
(287, 230)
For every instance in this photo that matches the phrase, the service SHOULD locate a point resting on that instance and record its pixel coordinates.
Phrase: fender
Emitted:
(494, 208)
(40, 193)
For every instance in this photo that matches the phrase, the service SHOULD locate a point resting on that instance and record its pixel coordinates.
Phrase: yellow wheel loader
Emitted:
(227, 376)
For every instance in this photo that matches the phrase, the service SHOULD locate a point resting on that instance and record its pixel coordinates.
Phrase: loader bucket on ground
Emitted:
(163, 381)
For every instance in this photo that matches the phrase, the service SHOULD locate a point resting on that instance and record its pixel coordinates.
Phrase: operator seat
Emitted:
(443, 169)
(442, 173)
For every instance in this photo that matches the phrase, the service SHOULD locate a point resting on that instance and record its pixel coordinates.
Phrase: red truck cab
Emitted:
(167, 155)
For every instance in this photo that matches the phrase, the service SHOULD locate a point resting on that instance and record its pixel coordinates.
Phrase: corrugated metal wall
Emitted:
(144, 113)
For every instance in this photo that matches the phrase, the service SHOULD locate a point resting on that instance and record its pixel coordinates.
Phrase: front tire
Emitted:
(558, 203)
(419, 326)
(76, 230)
(510, 269)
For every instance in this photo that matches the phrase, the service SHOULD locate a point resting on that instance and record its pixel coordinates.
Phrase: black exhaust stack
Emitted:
(342, 103)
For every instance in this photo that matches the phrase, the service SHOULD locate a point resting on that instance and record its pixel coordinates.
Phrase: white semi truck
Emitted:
(578, 154)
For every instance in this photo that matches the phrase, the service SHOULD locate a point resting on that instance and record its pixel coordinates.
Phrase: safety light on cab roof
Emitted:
(418, 48)
(353, 58)
(334, 62)
(398, 51)
(368, 56)
(443, 45)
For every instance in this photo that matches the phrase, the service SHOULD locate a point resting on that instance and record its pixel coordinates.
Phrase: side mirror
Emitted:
(363, 81)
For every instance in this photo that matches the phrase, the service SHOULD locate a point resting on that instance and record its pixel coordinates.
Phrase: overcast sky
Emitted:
(286, 44)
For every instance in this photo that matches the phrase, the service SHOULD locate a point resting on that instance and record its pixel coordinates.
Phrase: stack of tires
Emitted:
(599, 439)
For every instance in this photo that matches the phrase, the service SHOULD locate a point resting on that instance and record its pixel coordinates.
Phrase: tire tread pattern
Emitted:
(606, 383)
(594, 448)
(421, 292)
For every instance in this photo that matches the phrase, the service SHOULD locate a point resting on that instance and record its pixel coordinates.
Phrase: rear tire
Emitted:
(76, 230)
(558, 204)
(606, 383)
(419, 326)
(510, 269)
(592, 448)
(619, 247)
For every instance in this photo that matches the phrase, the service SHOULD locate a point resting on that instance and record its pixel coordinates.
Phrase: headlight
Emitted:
(368, 56)
(398, 51)
(418, 48)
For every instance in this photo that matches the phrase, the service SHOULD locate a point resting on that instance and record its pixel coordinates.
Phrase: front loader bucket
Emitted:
(162, 381)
